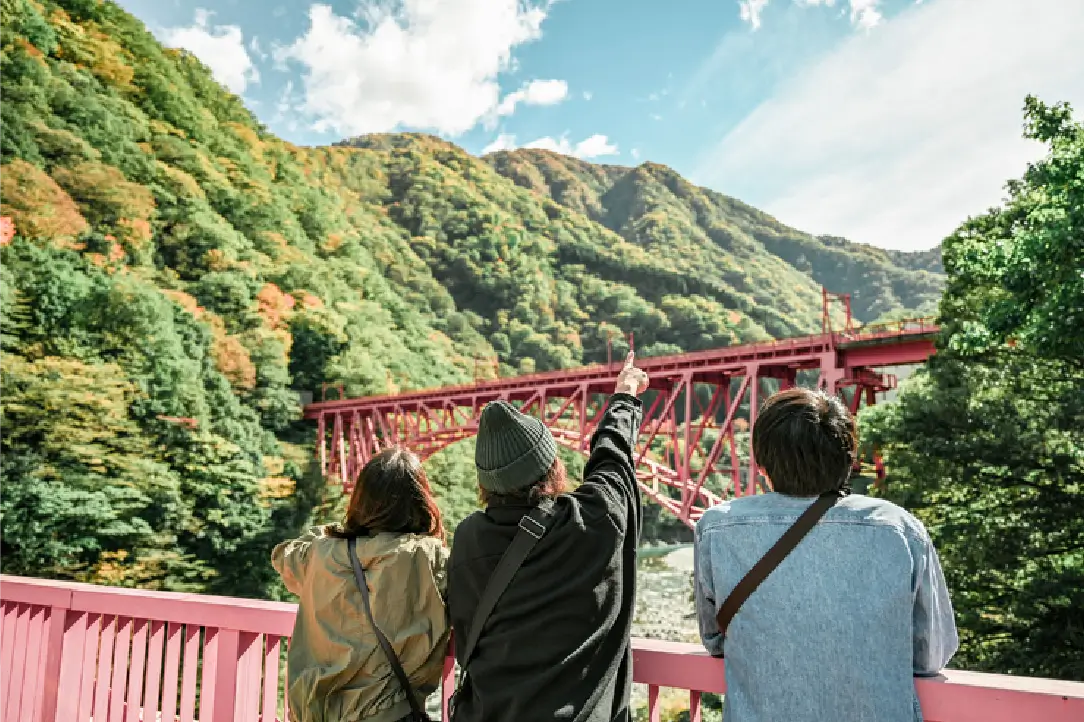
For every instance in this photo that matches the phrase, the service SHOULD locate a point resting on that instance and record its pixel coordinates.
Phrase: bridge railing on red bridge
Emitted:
(128, 654)
(915, 327)
(890, 329)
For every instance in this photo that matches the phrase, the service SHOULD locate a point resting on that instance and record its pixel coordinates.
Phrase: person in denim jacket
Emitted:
(858, 609)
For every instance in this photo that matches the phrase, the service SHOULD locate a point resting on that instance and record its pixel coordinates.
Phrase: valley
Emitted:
(173, 260)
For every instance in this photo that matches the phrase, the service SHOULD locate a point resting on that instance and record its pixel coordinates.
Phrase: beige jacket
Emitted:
(336, 669)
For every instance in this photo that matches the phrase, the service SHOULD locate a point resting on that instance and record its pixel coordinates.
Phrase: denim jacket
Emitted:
(840, 628)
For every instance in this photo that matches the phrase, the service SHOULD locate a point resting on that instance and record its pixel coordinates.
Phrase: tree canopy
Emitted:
(987, 444)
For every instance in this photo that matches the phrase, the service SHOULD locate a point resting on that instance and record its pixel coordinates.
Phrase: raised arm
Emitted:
(934, 626)
(610, 474)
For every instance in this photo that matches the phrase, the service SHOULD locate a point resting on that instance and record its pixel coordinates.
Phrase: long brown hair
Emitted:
(392, 495)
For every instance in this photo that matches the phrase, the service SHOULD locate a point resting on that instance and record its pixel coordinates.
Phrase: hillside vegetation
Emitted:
(178, 274)
(738, 247)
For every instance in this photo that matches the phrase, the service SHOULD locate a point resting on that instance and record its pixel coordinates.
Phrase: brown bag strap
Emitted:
(418, 713)
(773, 557)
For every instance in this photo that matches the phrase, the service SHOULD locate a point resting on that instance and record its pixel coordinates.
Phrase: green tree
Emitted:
(1017, 273)
(80, 479)
(987, 444)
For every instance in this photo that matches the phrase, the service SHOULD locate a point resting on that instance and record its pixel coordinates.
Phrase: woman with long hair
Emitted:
(370, 588)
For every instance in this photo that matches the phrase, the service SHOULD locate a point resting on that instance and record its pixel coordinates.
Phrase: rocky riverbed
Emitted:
(664, 600)
(665, 610)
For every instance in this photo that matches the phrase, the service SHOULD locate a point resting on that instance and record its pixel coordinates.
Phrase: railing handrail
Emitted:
(954, 696)
(244, 615)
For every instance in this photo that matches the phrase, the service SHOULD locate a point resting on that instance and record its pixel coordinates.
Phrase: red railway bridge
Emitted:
(694, 446)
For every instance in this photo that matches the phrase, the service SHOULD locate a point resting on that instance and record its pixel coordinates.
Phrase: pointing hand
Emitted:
(631, 380)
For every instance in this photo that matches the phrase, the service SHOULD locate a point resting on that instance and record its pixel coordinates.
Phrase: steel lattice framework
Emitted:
(694, 445)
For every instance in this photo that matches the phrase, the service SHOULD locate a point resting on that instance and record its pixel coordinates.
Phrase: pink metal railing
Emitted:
(124, 655)
(74, 652)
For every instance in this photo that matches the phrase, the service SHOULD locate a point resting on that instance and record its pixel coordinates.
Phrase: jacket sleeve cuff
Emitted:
(627, 398)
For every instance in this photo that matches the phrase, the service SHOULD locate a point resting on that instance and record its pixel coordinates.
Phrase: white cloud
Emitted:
(284, 115)
(594, 146)
(536, 92)
(587, 95)
(221, 48)
(864, 13)
(750, 11)
(256, 48)
(503, 141)
(418, 63)
(895, 138)
(635, 153)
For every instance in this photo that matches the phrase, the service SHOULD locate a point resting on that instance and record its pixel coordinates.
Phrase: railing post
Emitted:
(249, 676)
(447, 683)
(49, 685)
(219, 686)
(694, 706)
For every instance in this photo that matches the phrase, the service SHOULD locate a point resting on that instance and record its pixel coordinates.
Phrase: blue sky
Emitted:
(885, 121)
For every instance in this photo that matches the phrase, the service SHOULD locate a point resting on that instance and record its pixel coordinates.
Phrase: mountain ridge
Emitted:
(585, 187)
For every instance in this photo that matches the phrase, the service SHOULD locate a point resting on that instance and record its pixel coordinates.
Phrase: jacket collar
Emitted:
(508, 514)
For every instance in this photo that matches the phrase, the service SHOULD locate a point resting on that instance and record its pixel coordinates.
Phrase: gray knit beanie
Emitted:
(513, 450)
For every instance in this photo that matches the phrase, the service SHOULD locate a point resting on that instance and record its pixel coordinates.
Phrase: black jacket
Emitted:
(556, 646)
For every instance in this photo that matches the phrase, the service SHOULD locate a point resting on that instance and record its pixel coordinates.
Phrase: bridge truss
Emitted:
(694, 447)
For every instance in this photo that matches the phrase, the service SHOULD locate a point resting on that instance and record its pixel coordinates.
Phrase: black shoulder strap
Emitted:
(532, 527)
(396, 665)
(773, 557)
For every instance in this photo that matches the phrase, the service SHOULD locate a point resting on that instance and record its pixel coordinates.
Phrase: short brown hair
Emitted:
(806, 441)
(553, 483)
(392, 495)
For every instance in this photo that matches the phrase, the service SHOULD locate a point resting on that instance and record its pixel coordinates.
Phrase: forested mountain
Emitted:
(738, 246)
(178, 274)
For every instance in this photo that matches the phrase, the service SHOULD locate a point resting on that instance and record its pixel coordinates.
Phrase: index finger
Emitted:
(630, 360)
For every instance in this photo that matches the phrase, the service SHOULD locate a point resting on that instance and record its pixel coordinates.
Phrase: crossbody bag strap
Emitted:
(396, 665)
(532, 527)
(767, 563)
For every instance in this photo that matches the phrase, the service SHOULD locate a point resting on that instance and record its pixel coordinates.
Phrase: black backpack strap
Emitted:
(396, 666)
(771, 559)
(532, 527)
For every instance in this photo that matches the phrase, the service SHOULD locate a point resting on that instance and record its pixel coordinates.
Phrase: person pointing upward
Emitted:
(542, 583)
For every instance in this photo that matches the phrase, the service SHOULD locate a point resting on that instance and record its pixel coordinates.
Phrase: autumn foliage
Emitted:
(38, 206)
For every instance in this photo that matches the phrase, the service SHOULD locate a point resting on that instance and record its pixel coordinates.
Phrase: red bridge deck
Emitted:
(698, 406)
